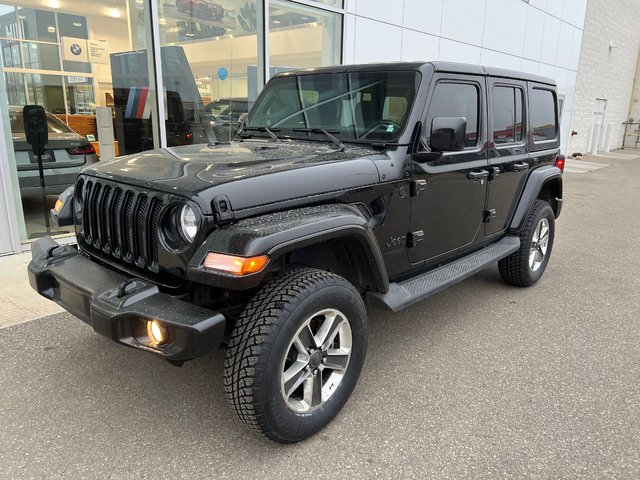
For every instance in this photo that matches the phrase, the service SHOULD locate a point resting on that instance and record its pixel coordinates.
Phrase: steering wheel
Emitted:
(381, 123)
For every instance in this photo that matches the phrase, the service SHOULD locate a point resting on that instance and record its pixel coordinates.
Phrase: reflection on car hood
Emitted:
(251, 172)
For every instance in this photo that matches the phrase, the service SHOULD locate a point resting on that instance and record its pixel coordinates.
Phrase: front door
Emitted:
(448, 193)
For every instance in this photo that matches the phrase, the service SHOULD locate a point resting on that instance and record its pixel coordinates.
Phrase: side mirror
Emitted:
(448, 134)
(62, 213)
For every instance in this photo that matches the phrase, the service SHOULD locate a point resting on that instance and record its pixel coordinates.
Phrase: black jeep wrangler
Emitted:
(378, 184)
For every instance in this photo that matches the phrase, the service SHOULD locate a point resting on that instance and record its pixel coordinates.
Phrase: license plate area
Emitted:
(48, 157)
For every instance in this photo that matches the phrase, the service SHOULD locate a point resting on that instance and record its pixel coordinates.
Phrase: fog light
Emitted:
(157, 332)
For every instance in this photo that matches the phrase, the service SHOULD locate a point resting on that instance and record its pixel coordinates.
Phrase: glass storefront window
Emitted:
(70, 63)
(209, 61)
(73, 57)
(302, 37)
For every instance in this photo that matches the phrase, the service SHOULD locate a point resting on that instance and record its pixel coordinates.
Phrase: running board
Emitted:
(404, 294)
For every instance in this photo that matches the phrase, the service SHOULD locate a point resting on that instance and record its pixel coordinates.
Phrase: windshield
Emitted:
(358, 106)
(54, 125)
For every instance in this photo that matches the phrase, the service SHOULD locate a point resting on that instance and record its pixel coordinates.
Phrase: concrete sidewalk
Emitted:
(18, 301)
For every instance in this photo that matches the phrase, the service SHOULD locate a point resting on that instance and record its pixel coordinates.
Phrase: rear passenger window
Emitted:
(456, 100)
(543, 115)
(507, 115)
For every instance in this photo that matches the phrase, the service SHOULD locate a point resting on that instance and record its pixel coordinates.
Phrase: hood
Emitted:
(248, 173)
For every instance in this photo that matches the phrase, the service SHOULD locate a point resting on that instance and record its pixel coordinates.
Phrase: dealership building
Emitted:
(132, 75)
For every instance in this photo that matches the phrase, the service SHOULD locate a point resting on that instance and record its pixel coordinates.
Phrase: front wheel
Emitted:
(524, 267)
(296, 353)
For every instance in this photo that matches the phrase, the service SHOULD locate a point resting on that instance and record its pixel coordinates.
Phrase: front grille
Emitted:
(120, 222)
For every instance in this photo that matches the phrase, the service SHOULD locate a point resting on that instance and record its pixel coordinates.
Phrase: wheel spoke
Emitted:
(313, 390)
(328, 330)
(336, 360)
(294, 376)
(532, 258)
(305, 340)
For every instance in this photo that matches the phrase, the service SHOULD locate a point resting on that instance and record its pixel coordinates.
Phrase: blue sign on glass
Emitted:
(223, 73)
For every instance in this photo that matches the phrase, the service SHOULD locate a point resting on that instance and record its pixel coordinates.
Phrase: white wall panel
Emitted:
(501, 60)
(383, 10)
(550, 39)
(463, 20)
(505, 26)
(529, 66)
(417, 46)
(350, 6)
(564, 46)
(533, 35)
(576, 48)
(452, 51)
(349, 38)
(554, 7)
(376, 41)
(423, 15)
(541, 4)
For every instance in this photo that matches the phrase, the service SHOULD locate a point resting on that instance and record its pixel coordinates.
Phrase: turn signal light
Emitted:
(59, 205)
(235, 265)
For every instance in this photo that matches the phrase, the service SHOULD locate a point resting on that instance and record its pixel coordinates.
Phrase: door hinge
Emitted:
(413, 238)
(418, 186)
(489, 215)
(495, 171)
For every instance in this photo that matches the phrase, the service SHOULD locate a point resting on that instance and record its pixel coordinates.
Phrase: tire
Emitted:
(521, 268)
(271, 379)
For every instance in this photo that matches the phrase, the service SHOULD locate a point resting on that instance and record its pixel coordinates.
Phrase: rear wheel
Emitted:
(295, 354)
(524, 267)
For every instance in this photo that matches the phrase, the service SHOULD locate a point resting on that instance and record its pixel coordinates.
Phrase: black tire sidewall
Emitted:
(544, 211)
(282, 421)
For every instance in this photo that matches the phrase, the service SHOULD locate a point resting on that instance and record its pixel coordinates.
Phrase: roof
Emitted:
(452, 67)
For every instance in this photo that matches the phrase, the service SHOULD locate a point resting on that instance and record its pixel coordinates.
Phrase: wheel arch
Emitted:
(544, 183)
(336, 238)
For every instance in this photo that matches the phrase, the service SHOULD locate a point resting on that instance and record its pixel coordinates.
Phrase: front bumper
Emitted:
(118, 306)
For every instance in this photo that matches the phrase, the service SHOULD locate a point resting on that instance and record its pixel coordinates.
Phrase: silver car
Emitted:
(66, 154)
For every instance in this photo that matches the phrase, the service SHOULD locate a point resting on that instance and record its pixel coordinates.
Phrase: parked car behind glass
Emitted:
(66, 154)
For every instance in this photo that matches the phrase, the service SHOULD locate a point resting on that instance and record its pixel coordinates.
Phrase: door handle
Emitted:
(477, 174)
(518, 167)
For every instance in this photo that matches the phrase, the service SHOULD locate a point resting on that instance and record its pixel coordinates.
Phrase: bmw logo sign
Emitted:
(75, 49)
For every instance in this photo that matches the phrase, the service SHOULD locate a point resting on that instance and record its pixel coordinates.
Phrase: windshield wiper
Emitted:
(264, 129)
(341, 146)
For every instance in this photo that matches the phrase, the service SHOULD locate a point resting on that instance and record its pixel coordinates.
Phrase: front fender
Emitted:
(278, 233)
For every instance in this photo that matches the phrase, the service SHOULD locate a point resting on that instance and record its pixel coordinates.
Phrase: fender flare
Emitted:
(533, 187)
(276, 234)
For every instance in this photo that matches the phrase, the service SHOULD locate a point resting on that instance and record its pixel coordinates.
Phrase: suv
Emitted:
(378, 184)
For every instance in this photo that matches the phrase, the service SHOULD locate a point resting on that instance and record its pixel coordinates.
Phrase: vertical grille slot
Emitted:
(154, 221)
(116, 219)
(127, 243)
(140, 230)
(121, 222)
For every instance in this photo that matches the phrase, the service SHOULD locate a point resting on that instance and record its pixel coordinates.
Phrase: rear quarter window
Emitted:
(542, 105)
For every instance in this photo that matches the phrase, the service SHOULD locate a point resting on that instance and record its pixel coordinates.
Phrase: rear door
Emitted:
(509, 160)
(448, 193)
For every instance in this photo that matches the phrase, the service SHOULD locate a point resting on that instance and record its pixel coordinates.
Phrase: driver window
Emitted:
(456, 100)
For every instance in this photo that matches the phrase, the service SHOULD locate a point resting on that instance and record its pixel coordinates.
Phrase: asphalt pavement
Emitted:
(482, 380)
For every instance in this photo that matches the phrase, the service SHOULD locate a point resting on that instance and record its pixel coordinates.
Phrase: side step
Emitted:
(404, 294)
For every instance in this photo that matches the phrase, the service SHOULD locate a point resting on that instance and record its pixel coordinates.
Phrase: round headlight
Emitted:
(188, 223)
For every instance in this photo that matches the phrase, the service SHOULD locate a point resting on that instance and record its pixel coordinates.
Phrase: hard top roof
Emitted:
(450, 67)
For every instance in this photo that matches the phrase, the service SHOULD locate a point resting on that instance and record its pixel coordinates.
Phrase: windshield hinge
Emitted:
(222, 208)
